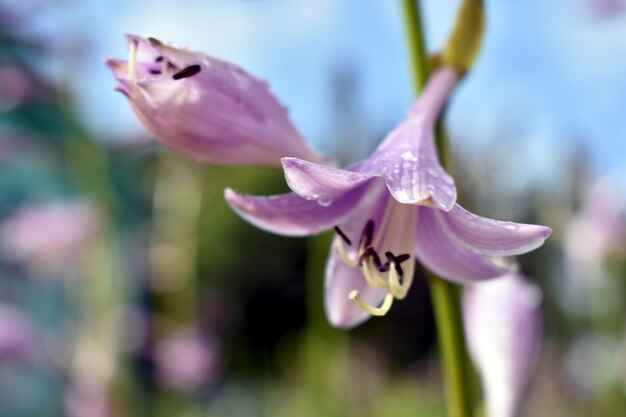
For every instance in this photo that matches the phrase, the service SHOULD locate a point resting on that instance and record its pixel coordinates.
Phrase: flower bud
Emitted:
(503, 328)
(207, 108)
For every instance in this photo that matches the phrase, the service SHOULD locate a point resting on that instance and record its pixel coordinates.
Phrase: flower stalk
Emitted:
(444, 294)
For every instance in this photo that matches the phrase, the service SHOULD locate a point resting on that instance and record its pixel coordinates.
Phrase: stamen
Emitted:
(372, 277)
(402, 258)
(397, 288)
(344, 255)
(374, 311)
(132, 61)
(187, 72)
(155, 72)
(154, 41)
(396, 261)
(158, 58)
(343, 235)
(368, 253)
(368, 234)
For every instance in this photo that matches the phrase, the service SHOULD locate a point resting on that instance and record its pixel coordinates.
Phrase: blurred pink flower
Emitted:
(209, 109)
(87, 399)
(603, 9)
(18, 338)
(188, 361)
(16, 86)
(503, 328)
(597, 231)
(48, 236)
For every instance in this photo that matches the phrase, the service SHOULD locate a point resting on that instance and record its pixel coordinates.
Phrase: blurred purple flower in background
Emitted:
(48, 237)
(422, 218)
(503, 327)
(209, 109)
(87, 399)
(18, 338)
(189, 361)
(593, 236)
(596, 232)
(606, 8)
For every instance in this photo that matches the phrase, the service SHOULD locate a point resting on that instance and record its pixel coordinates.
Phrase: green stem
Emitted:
(445, 296)
(417, 45)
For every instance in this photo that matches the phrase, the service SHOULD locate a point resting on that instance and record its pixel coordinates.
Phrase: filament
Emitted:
(132, 62)
(374, 311)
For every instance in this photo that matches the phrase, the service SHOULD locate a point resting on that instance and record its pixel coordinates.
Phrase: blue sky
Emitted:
(551, 76)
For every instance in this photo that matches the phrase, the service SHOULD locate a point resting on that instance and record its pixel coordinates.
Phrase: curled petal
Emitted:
(207, 108)
(318, 182)
(413, 173)
(408, 159)
(291, 215)
(493, 237)
(441, 253)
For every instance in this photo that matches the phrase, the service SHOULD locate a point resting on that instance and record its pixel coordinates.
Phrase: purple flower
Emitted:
(18, 337)
(209, 109)
(49, 236)
(399, 202)
(188, 361)
(503, 328)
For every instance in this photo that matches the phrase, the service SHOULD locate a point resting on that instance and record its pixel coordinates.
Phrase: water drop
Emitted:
(325, 202)
(408, 156)
(432, 172)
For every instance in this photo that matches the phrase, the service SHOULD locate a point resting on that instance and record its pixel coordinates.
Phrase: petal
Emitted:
(493, 237)
(340, 280)
(318, 182)
(411, 168)
(291, 215)
(438, 251)
(408, 159)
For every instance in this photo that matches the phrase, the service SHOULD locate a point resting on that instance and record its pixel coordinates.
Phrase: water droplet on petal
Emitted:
(510, 226)
(325, 202)
(408, 156)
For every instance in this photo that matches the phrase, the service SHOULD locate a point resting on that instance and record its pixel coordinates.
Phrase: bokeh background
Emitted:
(128, 288)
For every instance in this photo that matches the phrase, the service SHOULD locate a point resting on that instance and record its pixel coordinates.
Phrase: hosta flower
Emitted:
(388, 210)
(188, 361)
(18, 337)
(48, 237)
(503, 328)
(209, 109)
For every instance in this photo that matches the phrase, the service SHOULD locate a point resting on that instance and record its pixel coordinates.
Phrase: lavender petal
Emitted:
(314, 181)
(493, 237)
(438, 251)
